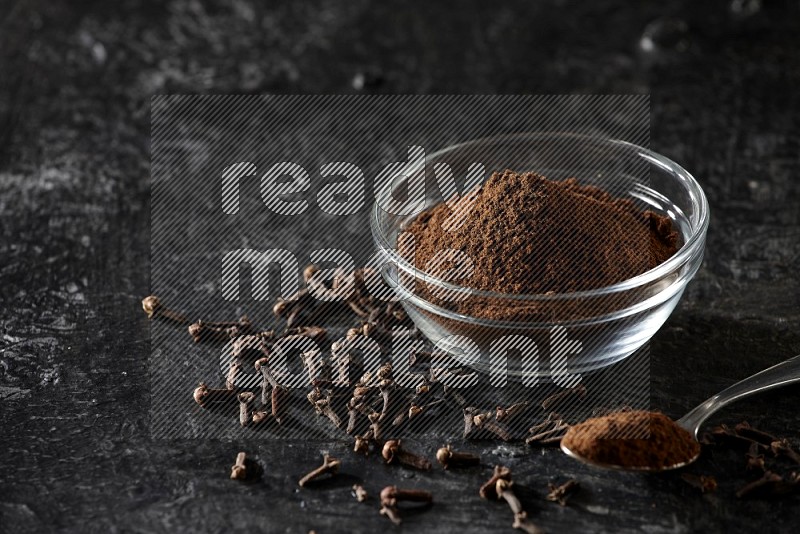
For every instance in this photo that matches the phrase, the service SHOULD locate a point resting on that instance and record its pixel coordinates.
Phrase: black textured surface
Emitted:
(75, 453)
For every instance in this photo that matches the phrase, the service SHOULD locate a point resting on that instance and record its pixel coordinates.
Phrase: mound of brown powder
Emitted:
(653, 441)
(526, 234)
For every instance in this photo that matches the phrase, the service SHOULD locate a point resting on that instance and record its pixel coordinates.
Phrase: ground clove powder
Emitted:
(527, 235)
(635, 439)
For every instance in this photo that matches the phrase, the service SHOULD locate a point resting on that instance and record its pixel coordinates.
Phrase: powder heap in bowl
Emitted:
(633, 440)
(526, 234)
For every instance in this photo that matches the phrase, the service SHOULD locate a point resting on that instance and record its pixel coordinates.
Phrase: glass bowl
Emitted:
(541, 335)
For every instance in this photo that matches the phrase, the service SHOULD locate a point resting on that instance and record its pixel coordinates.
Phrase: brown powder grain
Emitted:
(633, 440)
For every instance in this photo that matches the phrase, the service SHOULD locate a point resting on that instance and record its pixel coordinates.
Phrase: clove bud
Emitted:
(246, 400)
(360, 493)
(329, 465)
(205, 396)
(393, 452)
(154, 309)
(781, 447)
(499, 486)
(391, 495)
(239, 469)
(450, 458)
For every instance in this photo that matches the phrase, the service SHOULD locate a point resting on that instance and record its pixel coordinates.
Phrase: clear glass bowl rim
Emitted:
(691, 248)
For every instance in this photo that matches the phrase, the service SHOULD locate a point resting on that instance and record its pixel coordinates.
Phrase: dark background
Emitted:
(75, 84)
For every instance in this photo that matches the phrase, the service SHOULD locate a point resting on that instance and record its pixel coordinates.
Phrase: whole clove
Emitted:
(770, 485)
(562, 493)
(361, 445)
(278, 399)
(322, 405)
(415, 410)
(489, 489)
(239, 469)
(364, 394)
(521, 522)
(499, 486)
(706, 484)
(506, 414)
(353, 409)
(260, 416)
(220, 331)
(317, 334)
(317, 368)
(722, 434)
(154, 309)
(781, 447)
(205, 396)
(262, 366)
(277, 395)
(393, 452)
(745, 430)
(375, 425)
(330, 465)
(360, 493)
(450, 458)
(391, 395)
(391, 495)
(755, 460)
(233, 372)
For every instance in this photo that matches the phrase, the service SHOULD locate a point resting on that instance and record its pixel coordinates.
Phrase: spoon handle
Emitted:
(782, 374)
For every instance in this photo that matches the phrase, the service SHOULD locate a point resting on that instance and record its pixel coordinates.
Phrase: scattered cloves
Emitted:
(745, 430)
(450, 458)
(393, 452)
(219, 331)
(329, 465)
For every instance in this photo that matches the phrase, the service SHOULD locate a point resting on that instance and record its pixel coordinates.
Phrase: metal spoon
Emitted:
(782, 374)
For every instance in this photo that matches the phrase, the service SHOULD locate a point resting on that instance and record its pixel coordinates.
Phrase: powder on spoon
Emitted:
(636, 439)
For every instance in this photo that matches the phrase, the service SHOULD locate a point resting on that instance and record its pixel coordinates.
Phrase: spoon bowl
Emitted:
(782, 374)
